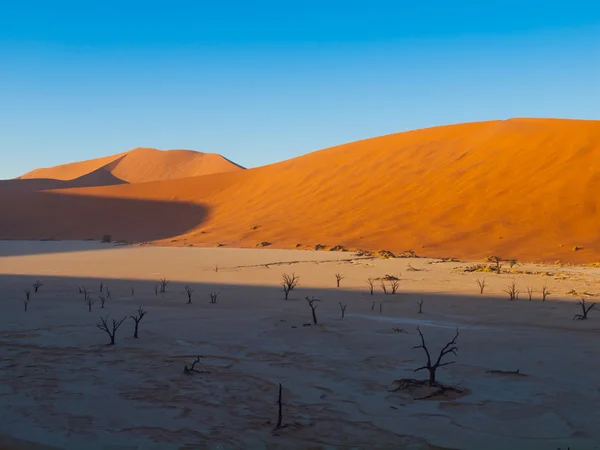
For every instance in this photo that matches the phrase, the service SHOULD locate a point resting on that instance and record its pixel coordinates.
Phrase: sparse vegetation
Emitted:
(312, 302)
(189, 291)
(37, 285)
(214, 296)
(338, 278)
(289, 282)
(512, 291)
(140, 313)
(482, 284)
(110, 330)
(584, 310)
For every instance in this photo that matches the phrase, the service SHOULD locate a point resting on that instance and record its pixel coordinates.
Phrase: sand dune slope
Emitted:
(522, 188)
(141, 165)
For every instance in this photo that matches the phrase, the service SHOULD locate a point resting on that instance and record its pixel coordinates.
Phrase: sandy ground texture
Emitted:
(522, 188)
(63, 387)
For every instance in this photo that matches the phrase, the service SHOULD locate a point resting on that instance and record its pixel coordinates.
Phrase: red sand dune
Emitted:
(524, 188)
(138, 166)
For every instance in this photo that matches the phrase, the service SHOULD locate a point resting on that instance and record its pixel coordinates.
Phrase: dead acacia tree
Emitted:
(383, 287)
(394, 284)
(163, 285)
(420, 303)
(191, 370)
(312, 302)
(110, 330)
(89, 301)
(450, 347)
(189, 292)
(156, 288)
(82, 289)
(482, 284)
(27, 299)
(343, 309)
(289, 282)
(213, 297)
(370, 283)
(102, 301)
(338, 278)
(584, 310)
(140, 313)
(512, 291)
(529, 293)
(545, 293)
(37, 285)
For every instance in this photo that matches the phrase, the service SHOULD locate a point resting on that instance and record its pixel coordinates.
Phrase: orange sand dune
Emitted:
(140, 165)
(522, 188)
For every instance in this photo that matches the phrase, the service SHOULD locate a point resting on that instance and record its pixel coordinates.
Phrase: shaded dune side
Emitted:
(519, 189)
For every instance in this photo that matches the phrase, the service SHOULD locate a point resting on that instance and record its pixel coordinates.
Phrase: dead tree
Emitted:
(584, 310)
(312, 302)
(512, 291)
(343, 309)
(191, 370)
(373, 306)
(156, 289)
(529, 293)
(38, 284)
(102, 301)
(111, 331)
(482, 284)
(89, 301)
(420, 306)
(338, 278)
(141, 312)
(133, 292)
(101, 286)
(189, 292)
(108, 294)
(545, 293)
(27, 299)
(450, 347)
(163, 285)
(383, 287)
(380, 307)
(289, 282)
(279, 409)
(496, 260)
(394, 284)
(370, 283)
(217, 268)
(213, 297)
(82, 289)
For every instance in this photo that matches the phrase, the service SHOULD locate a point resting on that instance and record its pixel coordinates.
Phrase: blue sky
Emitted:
(264, 81)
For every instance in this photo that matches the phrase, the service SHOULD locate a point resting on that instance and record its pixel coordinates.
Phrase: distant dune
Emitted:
(136, 166)
(522, 188)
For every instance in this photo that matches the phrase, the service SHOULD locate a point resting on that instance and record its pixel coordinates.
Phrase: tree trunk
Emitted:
(314, 316)
(135, 333)
(431, 377)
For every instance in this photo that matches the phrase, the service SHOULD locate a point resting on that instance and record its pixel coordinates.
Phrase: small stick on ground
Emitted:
(213, 297)
(189, 292)
(338, 278)
(383, 287)
(370, 283)
(289, 282)
(545, 293)
(193, 369)
(482, 284)
(529, 293)
(343, 309)
(111, 331)
(420, 303)
(312, 302)
(38, 284)
(512, 291)
(141, 312)
(584, 310)
(27, 299)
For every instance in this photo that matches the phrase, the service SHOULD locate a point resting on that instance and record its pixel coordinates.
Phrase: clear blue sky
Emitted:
(262, 81)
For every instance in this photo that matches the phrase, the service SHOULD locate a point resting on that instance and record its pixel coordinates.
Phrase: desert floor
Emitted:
(62, 386)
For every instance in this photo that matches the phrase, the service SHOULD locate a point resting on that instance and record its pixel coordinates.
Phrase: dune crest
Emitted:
(521, 188)
(138, 166)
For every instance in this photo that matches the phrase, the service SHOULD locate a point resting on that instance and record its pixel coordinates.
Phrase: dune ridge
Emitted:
(520, 188)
